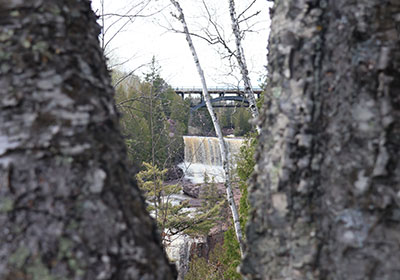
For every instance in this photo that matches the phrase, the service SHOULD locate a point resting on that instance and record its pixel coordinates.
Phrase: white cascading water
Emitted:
(203, 156)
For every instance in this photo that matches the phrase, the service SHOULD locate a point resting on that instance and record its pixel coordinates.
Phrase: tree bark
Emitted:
(326, 192)
(69, 208)
(221, 141)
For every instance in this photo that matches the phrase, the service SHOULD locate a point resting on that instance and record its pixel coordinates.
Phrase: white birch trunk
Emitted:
(241, 59)
(225, 162)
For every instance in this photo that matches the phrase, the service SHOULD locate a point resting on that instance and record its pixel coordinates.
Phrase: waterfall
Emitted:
(202, 155)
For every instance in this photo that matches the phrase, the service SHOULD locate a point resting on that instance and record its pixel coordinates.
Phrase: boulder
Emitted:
(192, 190)
(174, 173)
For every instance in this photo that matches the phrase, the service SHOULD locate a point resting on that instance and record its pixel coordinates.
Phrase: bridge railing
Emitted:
(221, 89)
(217, 94)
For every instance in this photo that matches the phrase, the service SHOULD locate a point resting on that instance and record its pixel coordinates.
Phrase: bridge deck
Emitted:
(241, 99)
(237, 91)
(224, 94)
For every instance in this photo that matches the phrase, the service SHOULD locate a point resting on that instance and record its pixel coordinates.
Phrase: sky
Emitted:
(152, 34)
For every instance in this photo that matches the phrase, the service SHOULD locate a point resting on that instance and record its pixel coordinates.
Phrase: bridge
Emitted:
(217, 95)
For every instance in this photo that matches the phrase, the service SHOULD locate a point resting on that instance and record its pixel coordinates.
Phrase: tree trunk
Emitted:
(221, 141)
(326, 192)
(69, 208)
(241, 59)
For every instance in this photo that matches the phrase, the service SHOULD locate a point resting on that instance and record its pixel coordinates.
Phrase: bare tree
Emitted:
(241, 59)
(222, 144)
(114, 23)
(214, 34)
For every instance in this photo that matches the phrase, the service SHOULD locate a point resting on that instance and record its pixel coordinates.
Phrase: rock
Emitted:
(174, 173)
(195, 202)
(192, 190)
(194, 130)
(180, 249)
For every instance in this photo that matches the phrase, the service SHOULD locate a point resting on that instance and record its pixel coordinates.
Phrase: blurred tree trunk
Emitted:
(68, 206)
(326, 193)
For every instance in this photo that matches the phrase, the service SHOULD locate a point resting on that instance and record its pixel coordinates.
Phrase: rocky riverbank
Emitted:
(182, 247)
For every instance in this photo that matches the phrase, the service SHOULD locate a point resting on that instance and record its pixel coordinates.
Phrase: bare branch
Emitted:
(133, 108)
(249, 17)
(220, 39)
(121, 63)
(129, 74)
(105, 30)
(136, 15)
(245, 10)
(116, 33)
(131, 9)
(141, 6)
(127, 100)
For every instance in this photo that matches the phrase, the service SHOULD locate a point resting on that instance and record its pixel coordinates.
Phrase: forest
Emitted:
(107, 173)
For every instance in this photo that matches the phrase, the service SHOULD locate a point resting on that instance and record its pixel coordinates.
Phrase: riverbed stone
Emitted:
(192, 190)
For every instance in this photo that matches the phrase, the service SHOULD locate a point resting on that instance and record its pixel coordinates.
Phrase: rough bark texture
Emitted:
(217, 127)
(68, 206)
(326, 192)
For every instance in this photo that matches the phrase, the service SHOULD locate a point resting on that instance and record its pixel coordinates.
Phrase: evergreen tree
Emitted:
(209, 211)
(158, 195)
(154, 119)
(172, 218)
(244, 168)
(241, 122)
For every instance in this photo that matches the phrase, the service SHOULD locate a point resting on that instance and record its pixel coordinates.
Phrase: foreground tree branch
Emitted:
(217, 128)
(68, 206)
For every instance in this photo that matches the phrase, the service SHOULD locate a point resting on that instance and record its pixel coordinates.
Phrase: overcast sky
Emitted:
(145, 37)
